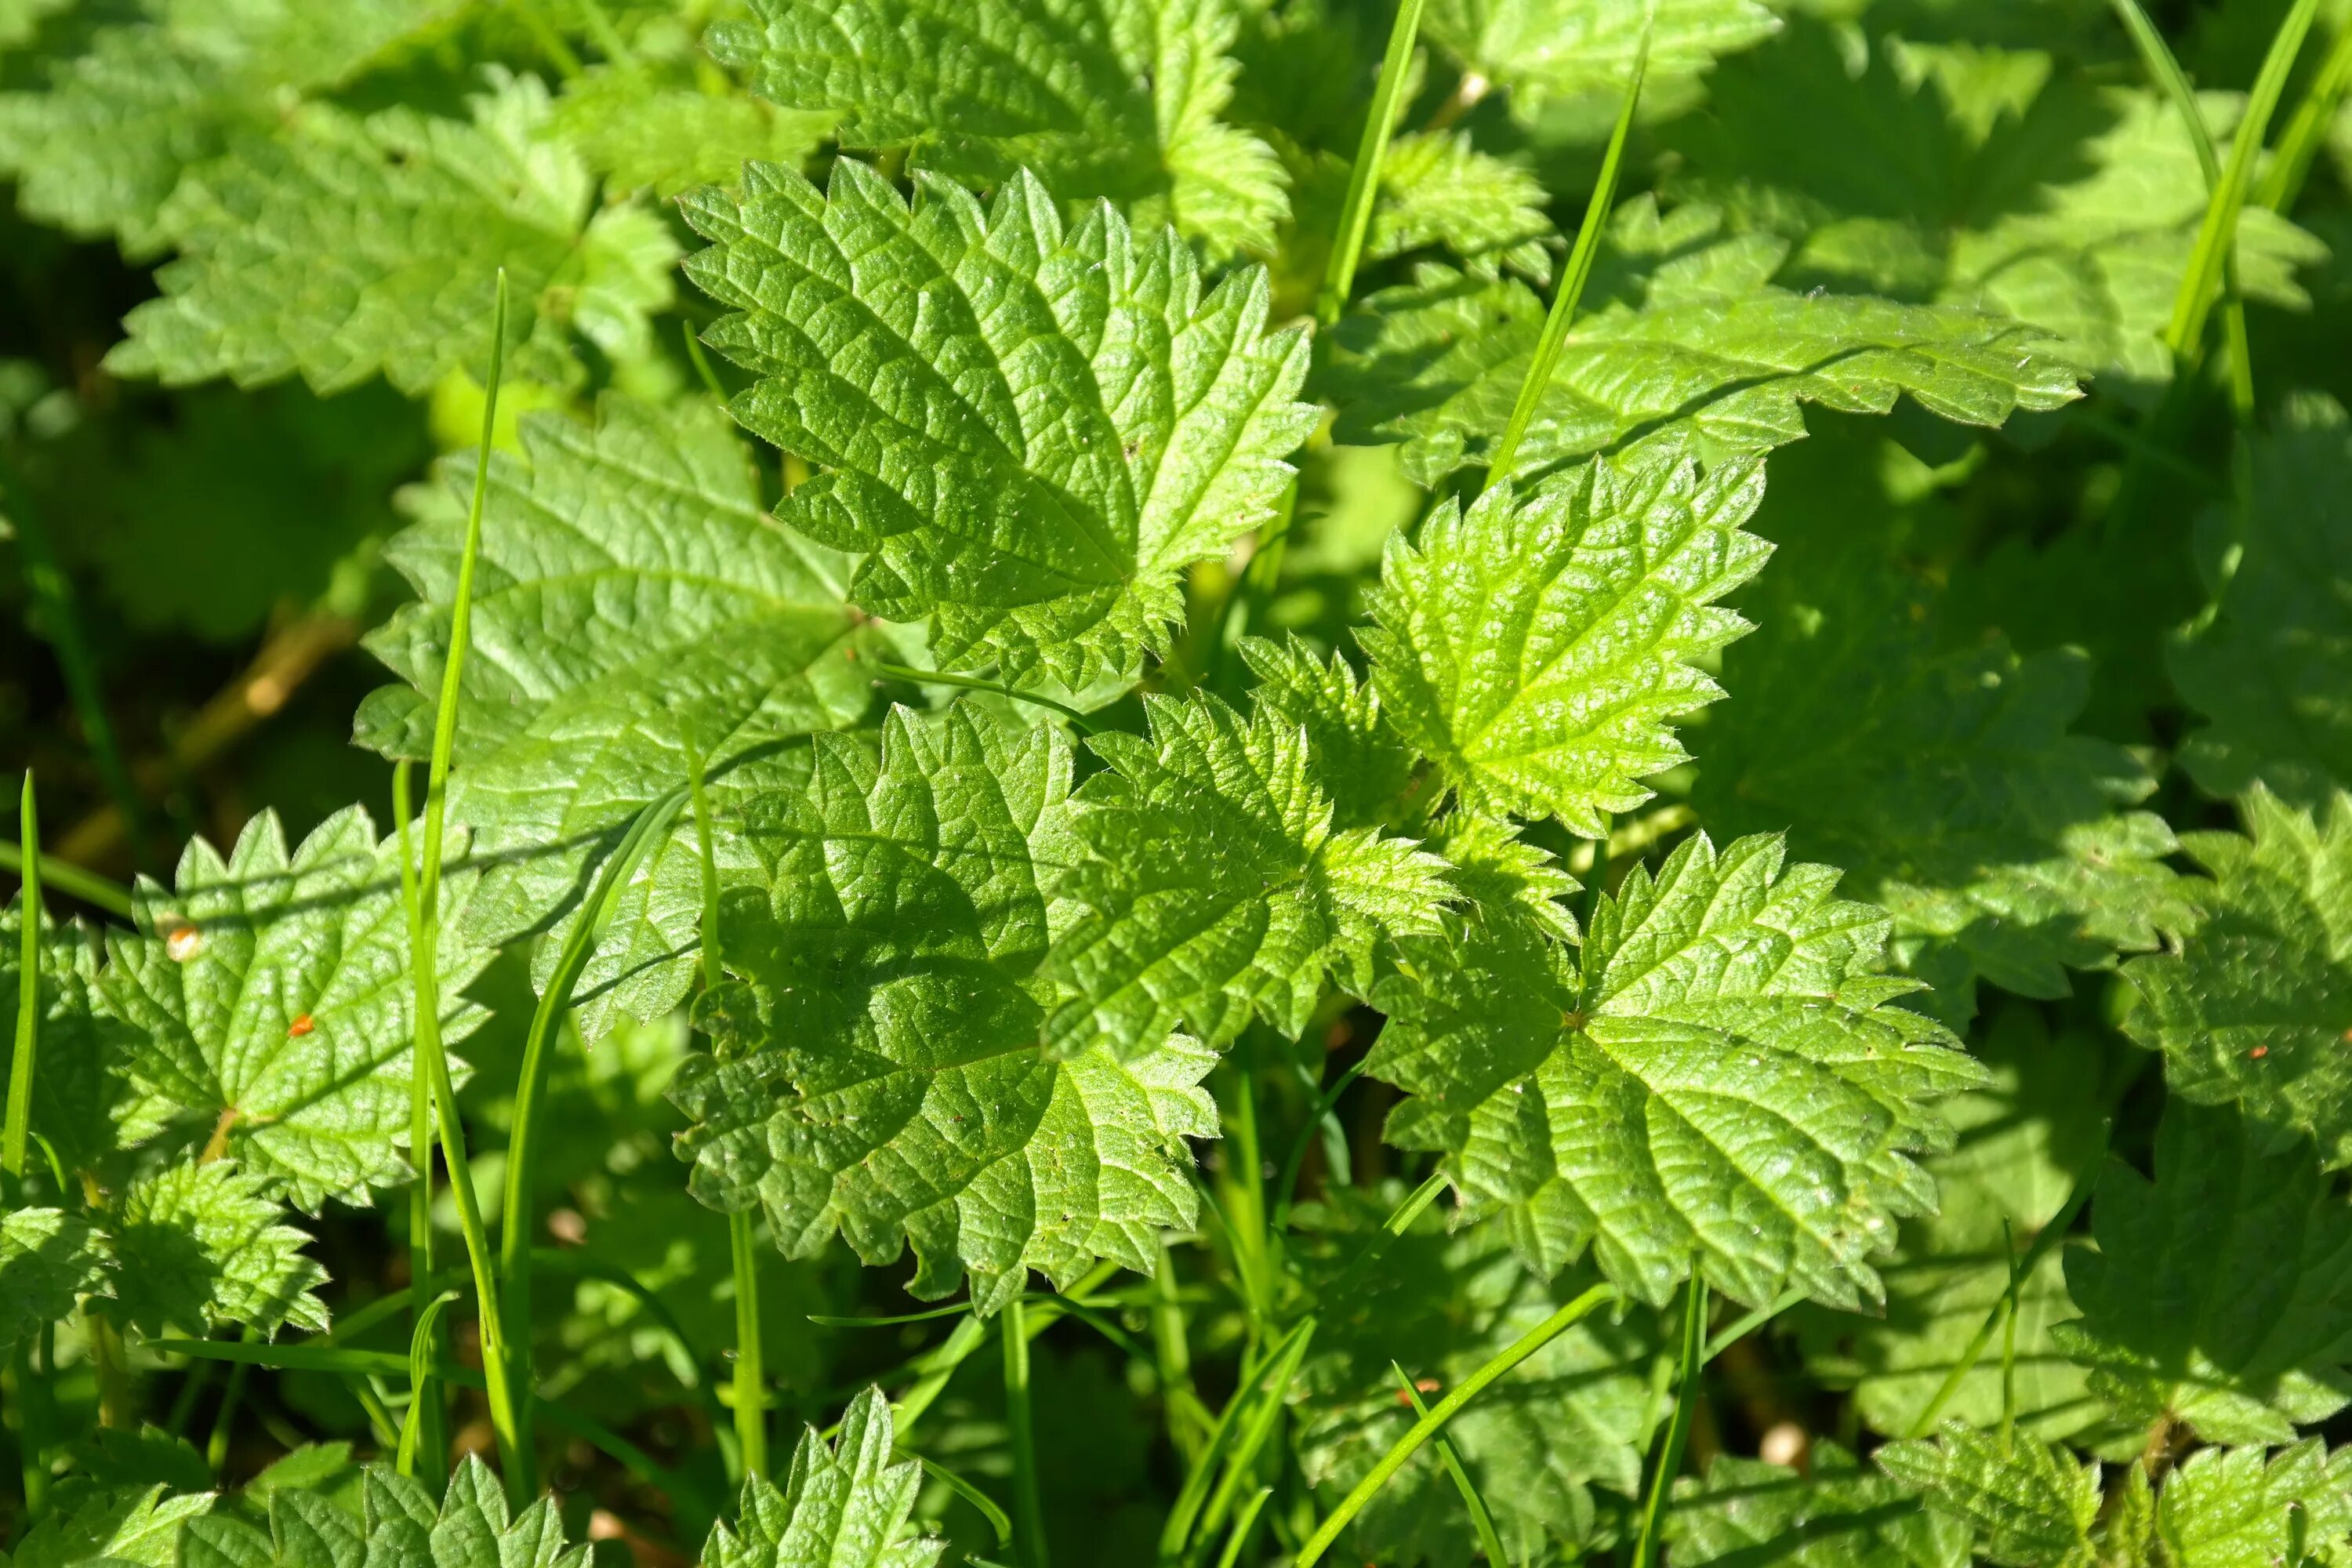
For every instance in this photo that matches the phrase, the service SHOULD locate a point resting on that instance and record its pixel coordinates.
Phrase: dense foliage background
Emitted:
(2057, 613)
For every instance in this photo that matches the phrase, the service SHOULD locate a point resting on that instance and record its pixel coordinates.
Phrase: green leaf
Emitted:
(1115, 99)
(1840, 1516)
(340, 248)
(1033, 429)
(2269, 667)
(1566, 1422)
(87, 1104)
(1721, 1077)
(101, 150)
(2216, 1296)
(1536, 652)
(634, 606)
(96, 1525)
(2025, 1139)
(882, 1073)
(1941, 774)
(1438, 189)
(1357, 761)
(2030, 1507)
(399, 1523)
(270, 993)
(200, 1245)
(1697, 340)
(48, 1260)
(660, 130)
(119, 1459)
(2233, 1508)
(1546, 49)
(2256, 1005)
(1214, 887)
(842, 1503)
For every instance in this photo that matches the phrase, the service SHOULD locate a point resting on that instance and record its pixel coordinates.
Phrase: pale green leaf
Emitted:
(1115, 99)
(634, 607)
(1033, 428)
(2233, 1508)
(1438, 189)
(1721, 1077)
(339, 248)
(199, 1245)
(1546, 49)
(48, 1260)
(2216, 1298)
(1760, 1515)
(273, 1003)
(398, 1523)
(2256, 1007)
(2270, 668)
(883, 1074)
(1537, 651)
(1359, 761)
(842, 1503)
(1697, 340)
(93, 1525)
(644, 129)
(1215, 888)
(2030, 1505)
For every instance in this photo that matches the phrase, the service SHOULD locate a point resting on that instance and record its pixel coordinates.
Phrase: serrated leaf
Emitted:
(884, 1075)
(48, 1260)
(87, 1105)
(1946, 781)
(2235, 1508)
(2221, 1293)
(399, 1523)
(633, 606)
(1214, 887)
(199, 1245)
(120, 1459)
(1567, 1423)
(1115, 99)
(843, 1502)
(2024, 1141)
(1436, 188)
(662, 131)
(1761, 1515)
(101, 150)
(1547, 49)
(94, 1525)
(2256, 1007)
(271, 996)
(1698, 342)
(1033, 428)
(2030, 1506)
(1535, 652)
(1722, 1078)
(1359, 761)
(340, 248)
(2270, 666)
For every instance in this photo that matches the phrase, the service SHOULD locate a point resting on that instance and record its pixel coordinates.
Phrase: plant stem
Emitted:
(100, 892)
(909, 674)
(1028, 1508)
(35, 1428)
(1670, 1454)
(421, 1398)
(425, 963)
(1572, 279)
(1263, 1417)
(1372, 152)
(1482, 1521)
(2313, 116)
(433, 1438)
(1429, 1425)
(28, 993)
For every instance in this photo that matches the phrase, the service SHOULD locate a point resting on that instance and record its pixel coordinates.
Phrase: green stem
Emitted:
(1372, 152)
(1429, 1425)
(1263, 1418)
(36, 1424)
(1257, 1383)
(2217, 235)
(420, 1356)
(751, 1361)
(100, 892)
(2304, 132)
(29, 994)
(517, 1217)
(1028, 1508)
(982, 1503)
(1481, 1520)
(908, 673)
(1286, 1185)
(425, 962)
(434, 1439)
(1400, 1220)
(1243, 1525)
(1670, 1454)
(1572, 279)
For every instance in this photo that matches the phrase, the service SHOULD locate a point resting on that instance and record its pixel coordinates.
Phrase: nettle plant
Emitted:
(1054, 745)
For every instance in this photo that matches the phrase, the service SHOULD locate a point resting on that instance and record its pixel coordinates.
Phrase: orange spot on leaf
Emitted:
(300, 1028)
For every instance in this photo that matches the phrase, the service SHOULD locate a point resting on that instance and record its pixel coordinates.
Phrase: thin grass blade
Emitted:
(1372, 152)
(29, 991)
(1450, 1459)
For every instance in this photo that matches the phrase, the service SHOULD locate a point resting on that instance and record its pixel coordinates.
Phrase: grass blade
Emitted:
(1670, 1453)
(750, 1363)
(1195, 1493)
(28, 993)
(1242, 1528)
(435, 1440)
(421, 1357)
(99, 893)
(433, 1057)
(1572, 279)
(998, 1521)
(1020, 1420)
(1372, 152)
(1270, 1405)
(1445, 1409)
(1481, 1520)
(2309, 128)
